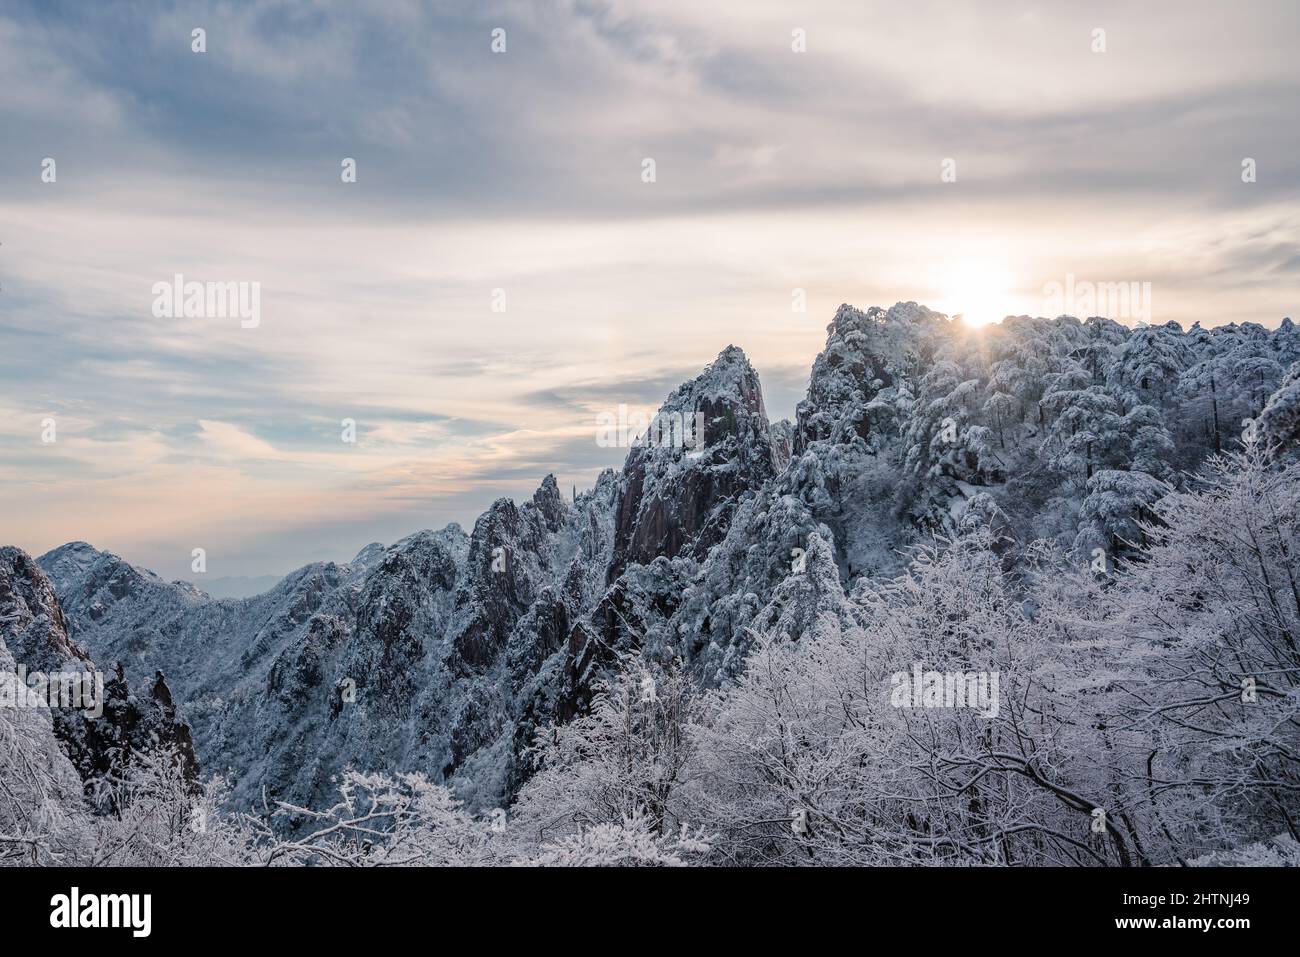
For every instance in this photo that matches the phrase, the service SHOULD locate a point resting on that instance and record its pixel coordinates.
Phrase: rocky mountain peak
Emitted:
(550, 503)
(866, 353)
(370, 554)
(682, 480)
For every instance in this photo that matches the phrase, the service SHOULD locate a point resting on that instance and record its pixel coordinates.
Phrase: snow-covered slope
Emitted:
(42, 802)
(406, 658)
(446, 652)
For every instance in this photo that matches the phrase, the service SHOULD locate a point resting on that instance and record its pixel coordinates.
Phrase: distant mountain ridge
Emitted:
(446, 652)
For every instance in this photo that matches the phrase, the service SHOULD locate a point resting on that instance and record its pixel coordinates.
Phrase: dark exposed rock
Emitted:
(504, 569)
(678, 497)
(103, 735)
(550, 504)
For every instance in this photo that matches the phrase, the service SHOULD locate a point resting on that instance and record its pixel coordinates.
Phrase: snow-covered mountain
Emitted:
(406, 658)
(446, 653)
(103, 737)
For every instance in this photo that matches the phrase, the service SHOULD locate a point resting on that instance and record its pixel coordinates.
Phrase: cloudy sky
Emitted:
(522, 171)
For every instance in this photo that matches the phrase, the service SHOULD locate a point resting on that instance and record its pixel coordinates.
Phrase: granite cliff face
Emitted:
(676, 503)
(110, 726)
(679, 498)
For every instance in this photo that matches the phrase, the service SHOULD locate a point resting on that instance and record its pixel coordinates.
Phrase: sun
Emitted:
(977, 291)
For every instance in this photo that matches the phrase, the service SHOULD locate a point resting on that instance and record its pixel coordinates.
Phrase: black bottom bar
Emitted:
(335, 907)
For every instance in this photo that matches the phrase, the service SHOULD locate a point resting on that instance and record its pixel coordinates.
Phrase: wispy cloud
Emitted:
(515, 179)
